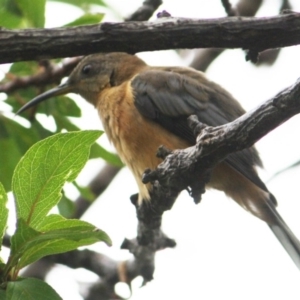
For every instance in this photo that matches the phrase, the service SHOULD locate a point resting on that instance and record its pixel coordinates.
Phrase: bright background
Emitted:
(222, 251)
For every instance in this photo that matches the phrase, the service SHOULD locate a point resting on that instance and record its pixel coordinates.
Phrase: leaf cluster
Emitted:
(36, 184)
(37, 178)
(17, 134)
(31, 13)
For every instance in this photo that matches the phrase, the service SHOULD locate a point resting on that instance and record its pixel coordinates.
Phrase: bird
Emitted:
(143, 107)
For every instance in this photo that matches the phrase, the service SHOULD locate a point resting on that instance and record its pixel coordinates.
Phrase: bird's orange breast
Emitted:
(135, 138)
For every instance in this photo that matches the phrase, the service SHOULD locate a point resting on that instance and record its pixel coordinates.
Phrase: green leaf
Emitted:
(19, 241)
(85, 192)
(64, 123)
(62, 105)
(30, 289)
(9, 20)
(112, 158)
(67, 107)
(57, 222)
(10, 14)
(56, 235)
(23, 68)
(3, 212)
(97, 151)
(42, 172)
(22, 136)
(20, 98)
(8, 160)
(34, 11)
(14, 142)
(66, 207)
(86, 19)
(2, 294)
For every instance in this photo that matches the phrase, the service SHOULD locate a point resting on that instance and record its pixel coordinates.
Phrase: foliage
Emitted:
(37, 178)
(15, 138)
(31, 13)
(36, 184)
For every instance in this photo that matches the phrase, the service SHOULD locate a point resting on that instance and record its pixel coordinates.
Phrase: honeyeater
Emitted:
(142, 107)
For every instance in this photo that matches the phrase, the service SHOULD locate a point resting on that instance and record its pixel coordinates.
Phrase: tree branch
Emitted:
(229, 9)
(46, 76)
(165, 33)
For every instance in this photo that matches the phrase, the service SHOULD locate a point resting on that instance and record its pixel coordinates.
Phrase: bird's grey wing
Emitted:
(168, 98)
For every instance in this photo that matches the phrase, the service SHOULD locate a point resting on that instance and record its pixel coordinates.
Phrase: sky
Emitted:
(222, 251)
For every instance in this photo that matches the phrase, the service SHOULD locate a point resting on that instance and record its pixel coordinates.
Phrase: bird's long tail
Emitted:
(285, 236)
(252, 194)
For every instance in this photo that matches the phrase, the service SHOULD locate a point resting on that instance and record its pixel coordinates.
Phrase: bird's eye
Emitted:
(86, 69)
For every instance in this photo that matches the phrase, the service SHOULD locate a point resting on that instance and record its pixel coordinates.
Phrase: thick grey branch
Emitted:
(165, 33)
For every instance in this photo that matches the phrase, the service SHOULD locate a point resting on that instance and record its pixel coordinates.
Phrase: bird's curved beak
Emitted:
(59, 90)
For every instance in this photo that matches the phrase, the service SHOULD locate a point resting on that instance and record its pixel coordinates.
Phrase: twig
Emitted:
(286, 5)
(44, 77)
(229, 9)
(145, 11)
(204, 57)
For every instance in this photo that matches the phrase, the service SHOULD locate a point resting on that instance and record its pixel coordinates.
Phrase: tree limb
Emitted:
(165, 33)
(229, 9)
(204, 57)
(44, 77)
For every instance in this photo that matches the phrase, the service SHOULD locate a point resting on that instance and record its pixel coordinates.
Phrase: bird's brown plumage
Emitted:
(143, 107)
(137, 137)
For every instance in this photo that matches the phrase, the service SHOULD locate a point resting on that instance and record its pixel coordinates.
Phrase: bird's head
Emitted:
(92, 75)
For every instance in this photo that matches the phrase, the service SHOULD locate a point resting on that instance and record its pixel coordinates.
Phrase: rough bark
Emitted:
(256, 34)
